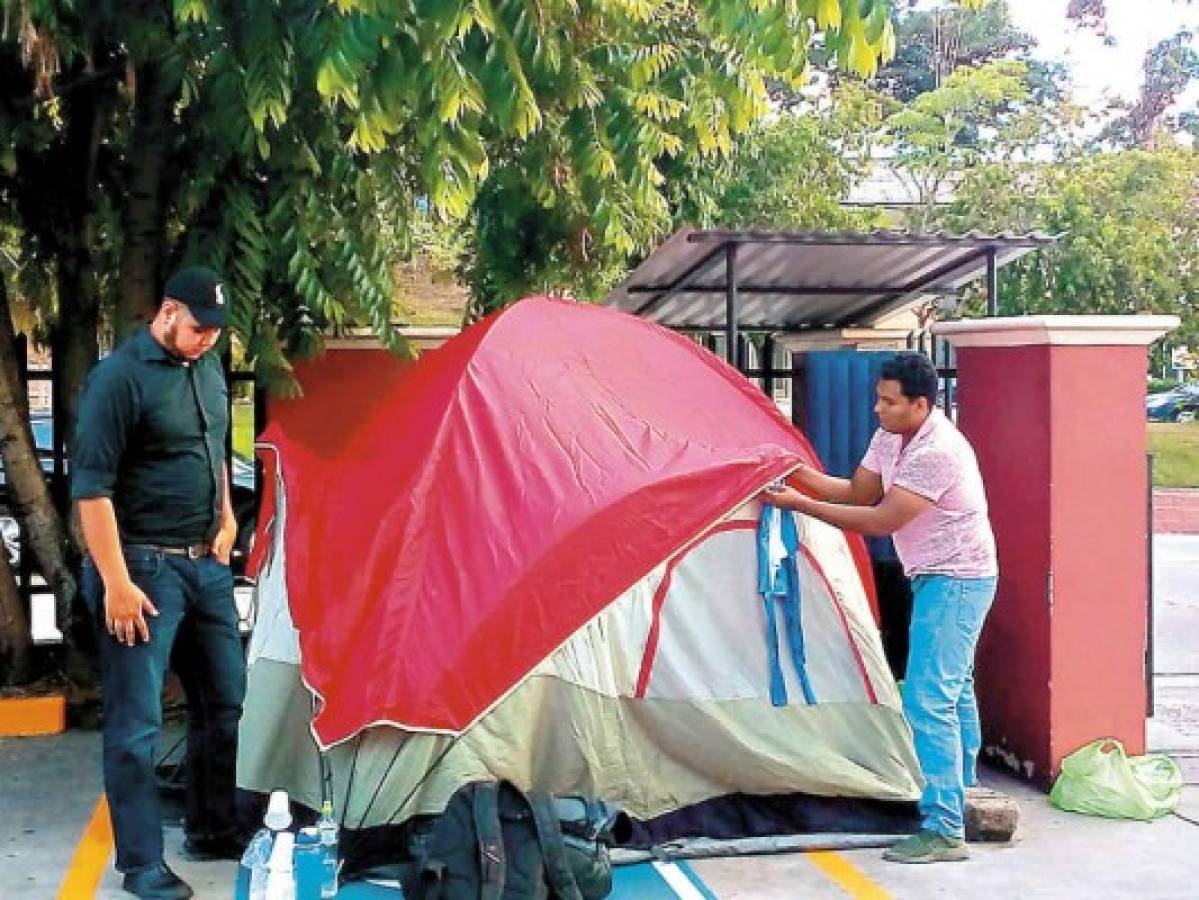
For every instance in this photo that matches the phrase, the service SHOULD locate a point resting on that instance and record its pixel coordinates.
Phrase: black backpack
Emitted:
(494, 842)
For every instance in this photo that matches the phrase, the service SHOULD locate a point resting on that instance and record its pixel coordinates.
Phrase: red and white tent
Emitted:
(533, 554)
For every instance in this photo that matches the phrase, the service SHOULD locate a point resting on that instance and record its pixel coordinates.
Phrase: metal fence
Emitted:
(773, 368)
(941, 352)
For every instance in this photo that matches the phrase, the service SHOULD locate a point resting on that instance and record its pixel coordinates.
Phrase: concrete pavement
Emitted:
(49, 788)
(53, 783)
(1055, 856)
(1174, 728)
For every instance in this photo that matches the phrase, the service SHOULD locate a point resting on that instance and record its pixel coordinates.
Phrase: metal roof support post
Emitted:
(992, 283)
(767, 365)
(731, 344)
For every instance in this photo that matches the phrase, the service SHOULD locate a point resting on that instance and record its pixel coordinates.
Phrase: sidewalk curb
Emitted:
(33, 716)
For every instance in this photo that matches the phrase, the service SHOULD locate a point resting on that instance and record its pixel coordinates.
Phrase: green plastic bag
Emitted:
(1101, 780)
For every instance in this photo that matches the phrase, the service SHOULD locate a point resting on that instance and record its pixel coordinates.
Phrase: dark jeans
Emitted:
(196, 620)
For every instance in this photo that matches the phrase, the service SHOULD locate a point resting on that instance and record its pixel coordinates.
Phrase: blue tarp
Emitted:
(837, 414)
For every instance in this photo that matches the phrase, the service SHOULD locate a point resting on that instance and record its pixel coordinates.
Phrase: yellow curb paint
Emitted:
(32, 716)
(91, 856)
(848, 877)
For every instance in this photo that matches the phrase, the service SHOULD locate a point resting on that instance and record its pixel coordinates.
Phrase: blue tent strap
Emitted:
(782, 585)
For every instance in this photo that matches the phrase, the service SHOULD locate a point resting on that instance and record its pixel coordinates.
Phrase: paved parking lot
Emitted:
(52, 846)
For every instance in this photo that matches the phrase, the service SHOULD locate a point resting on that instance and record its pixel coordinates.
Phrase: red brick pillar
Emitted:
(1055, 409)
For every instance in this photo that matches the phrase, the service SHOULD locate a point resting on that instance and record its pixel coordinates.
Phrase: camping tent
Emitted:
(534, 554)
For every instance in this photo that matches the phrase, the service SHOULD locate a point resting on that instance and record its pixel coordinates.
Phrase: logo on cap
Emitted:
(219, 292)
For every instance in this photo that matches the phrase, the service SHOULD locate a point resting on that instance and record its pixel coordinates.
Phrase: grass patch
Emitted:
(1175, 449)
(243, 430)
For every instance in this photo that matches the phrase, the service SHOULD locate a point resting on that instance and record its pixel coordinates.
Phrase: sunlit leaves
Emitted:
(310, 131)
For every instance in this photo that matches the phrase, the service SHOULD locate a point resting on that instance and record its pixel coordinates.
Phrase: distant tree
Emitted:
(933, 43)
(1170, 67)
(928, 152)
(1130, 232)
(793, 171)
(563, 209)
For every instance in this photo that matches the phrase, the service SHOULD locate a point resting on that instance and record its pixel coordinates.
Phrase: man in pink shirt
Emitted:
(919, 481)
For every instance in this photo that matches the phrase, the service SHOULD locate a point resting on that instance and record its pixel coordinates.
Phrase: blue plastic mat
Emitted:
(643, 881)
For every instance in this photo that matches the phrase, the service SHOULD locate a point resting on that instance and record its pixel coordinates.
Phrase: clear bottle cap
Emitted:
(278, 813)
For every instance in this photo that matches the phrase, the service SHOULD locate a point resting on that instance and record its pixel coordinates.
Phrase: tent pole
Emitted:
(768, 366)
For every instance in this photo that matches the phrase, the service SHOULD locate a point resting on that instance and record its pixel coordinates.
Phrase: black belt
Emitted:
(191, 551)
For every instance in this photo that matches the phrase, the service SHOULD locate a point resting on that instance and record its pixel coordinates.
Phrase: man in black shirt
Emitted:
(148, 471)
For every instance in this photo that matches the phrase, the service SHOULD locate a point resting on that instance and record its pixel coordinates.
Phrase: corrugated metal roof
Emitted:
(796, 280)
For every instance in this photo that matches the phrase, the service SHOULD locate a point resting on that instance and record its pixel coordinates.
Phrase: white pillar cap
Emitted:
(1026, 331)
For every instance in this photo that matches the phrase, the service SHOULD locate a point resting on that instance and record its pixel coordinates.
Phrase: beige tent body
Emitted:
(660, 702)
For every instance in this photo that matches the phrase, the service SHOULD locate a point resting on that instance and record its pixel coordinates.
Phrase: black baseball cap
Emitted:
(204, 294)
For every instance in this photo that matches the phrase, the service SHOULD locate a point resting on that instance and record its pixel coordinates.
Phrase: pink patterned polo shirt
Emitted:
(952, 537)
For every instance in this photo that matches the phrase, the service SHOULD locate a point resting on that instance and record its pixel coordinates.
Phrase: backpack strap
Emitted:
(429, 881)
(549, 834)
(490, 838)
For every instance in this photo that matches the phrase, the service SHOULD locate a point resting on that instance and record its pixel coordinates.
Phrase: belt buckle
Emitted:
(196, 551)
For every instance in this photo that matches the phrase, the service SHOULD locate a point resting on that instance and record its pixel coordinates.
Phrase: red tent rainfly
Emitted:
(461, 521)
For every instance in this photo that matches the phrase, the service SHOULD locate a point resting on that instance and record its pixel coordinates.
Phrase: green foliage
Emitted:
(565, 206)
(792, 171)
(927, 134)
(789, 171)
(935, 42)
(1158, 385)
(1130, 233)
(553, 136)
(306, 133)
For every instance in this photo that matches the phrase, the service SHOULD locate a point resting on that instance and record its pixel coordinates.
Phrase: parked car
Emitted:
(1178, 405)
(241, 486)
(43, 440)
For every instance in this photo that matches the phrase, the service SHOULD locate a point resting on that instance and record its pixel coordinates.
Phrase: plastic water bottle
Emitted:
(309, 864)
(327, 827)
(280, 882)
(252, 872)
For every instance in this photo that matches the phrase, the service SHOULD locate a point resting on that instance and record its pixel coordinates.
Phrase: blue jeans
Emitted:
(938, 692)
(195, 632)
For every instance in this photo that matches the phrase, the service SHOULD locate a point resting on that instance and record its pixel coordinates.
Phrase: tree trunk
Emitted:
(75, 337)
(145, 207)
(74, 340)
(75, 349)
(28, 492)
(16, 645)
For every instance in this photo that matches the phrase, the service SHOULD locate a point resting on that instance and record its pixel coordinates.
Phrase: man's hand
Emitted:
(222, 544)
(125, 610)
(784, 498)
(898, 507)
